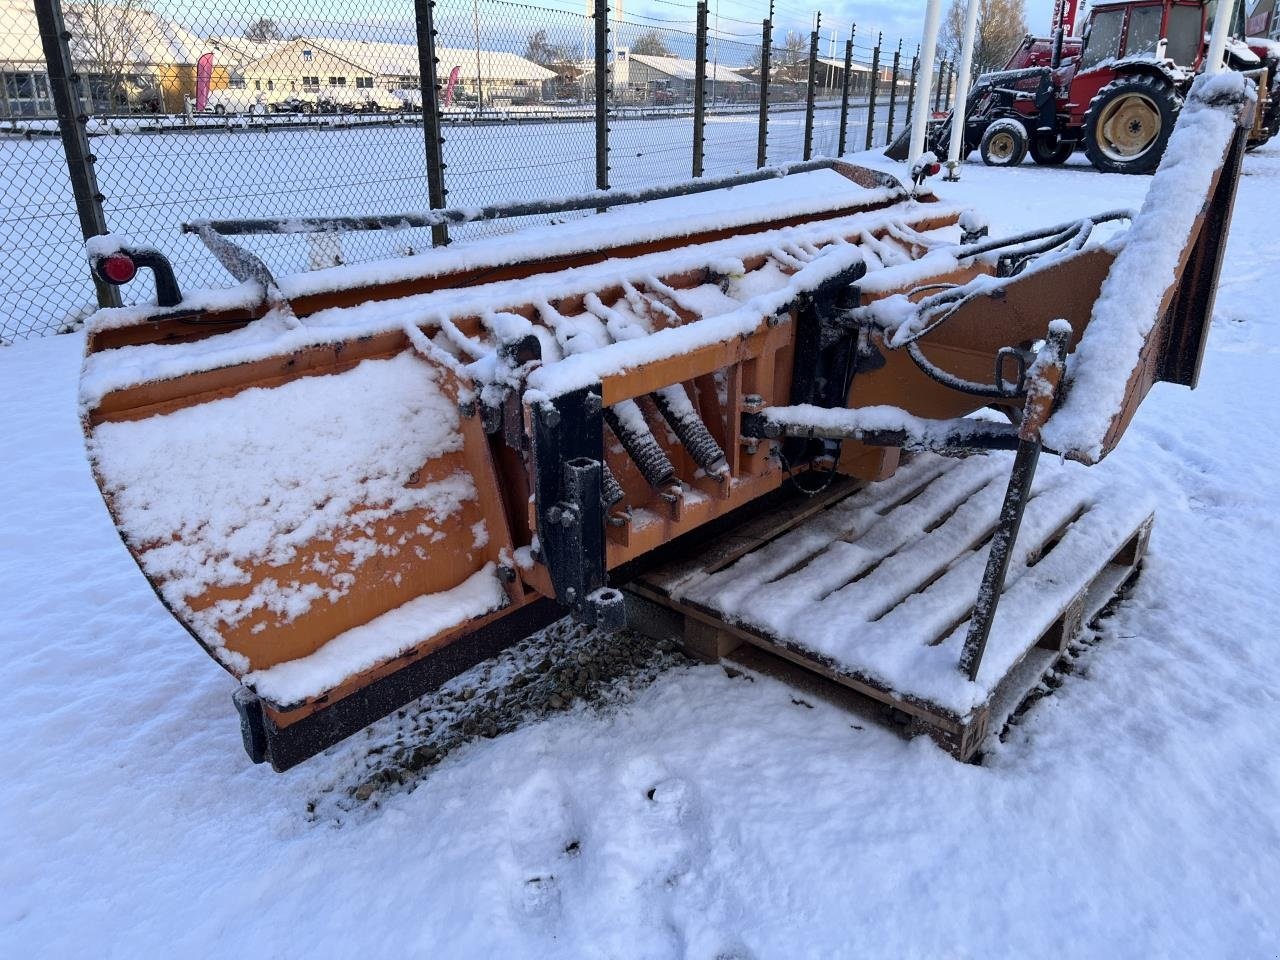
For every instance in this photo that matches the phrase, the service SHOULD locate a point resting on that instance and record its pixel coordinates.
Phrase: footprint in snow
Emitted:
(668, 825)
(543, 831)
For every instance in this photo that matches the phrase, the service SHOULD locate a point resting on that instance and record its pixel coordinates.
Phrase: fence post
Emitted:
(946, 97)
(600, 14)
(766, 45)
(844, 90)
(809, 93)
(893, 92)
(911, 89)
(63, 79)
(424, 17)
(699, 89)
(873, 92)
(937, 90)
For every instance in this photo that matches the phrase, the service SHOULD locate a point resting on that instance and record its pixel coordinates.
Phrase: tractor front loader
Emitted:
(1115, 92)
(352, 484)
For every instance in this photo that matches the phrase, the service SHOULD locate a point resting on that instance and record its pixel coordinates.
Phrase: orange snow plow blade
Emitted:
(353, 484)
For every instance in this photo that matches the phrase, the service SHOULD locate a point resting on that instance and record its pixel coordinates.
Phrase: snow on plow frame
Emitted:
(562, 389)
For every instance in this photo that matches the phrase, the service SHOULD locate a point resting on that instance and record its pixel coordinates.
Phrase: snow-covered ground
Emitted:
(1132, 813)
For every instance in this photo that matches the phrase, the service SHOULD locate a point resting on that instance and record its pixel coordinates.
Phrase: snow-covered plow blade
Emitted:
(352, 484)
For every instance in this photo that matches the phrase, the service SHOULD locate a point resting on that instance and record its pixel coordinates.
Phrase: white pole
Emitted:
(1218, 40)
(924, 87)
(954, 157)
(715, 60)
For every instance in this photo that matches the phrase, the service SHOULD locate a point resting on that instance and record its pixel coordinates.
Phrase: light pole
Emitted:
(928, 49)
(956, 149)
(1218, 39)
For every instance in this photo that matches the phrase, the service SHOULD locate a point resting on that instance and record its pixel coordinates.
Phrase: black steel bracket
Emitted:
(568, 461)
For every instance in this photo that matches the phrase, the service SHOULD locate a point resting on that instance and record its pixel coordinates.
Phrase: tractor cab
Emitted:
(1169, 32)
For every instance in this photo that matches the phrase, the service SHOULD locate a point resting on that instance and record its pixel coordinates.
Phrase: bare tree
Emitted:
(794, 48)
(792, 60)
(107, 40)
(650, 43)
(545, 53)
(1002, 24)
(263, 30)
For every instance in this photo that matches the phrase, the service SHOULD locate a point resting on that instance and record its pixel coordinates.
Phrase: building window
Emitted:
(271, 84)
(236, 83)
(311, 83)
(257, 84)
(337, 81)
(307, 55)
(364, 83)
(27, 94)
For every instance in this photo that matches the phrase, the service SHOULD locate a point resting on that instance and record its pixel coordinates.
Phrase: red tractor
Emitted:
(1116, 90)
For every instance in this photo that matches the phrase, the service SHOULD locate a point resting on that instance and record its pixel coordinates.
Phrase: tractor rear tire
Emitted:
(1049, 153)
(1004, 144)
(1128, 124)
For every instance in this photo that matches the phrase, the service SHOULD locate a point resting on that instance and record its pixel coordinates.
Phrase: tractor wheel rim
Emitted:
(1001, 146)
(1129, 125)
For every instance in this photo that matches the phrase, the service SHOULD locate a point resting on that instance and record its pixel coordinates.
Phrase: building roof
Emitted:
(232, 51)
(138, 36)
(401, 59)
(854, 67)
(681, 69)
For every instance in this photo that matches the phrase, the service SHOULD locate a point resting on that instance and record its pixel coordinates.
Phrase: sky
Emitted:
(895, 18)
(506, 21)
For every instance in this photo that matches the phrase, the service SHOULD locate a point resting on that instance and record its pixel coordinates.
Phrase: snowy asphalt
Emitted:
(696, 814)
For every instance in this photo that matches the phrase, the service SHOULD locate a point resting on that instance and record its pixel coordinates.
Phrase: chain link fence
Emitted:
(280, 108)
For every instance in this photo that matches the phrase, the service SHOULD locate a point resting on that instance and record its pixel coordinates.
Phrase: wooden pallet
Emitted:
(872, 588)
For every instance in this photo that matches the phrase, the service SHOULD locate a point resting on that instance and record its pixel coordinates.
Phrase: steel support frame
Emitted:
(844, 94)
(911, 88)
(600, 18)
(893, 93)
(873, 92)
(55, 39)
(762, 135)
(810, 91)
(424, 21)
(700, 89)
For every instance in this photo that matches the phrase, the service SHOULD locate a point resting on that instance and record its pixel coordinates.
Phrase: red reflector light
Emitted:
(935, 169)
(118, 268)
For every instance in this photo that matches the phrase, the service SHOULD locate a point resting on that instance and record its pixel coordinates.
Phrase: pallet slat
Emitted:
(873, 590)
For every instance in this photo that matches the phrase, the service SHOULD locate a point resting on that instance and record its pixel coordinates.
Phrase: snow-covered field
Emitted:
(153, 183)
(1132, 813)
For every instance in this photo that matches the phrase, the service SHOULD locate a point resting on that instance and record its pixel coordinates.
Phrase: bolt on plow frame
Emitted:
(352, 484)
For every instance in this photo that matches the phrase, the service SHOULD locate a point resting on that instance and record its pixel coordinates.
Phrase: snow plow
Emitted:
(809, 384)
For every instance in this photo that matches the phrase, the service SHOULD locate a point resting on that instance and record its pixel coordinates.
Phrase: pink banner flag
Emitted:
(204, 74)
(448, 87)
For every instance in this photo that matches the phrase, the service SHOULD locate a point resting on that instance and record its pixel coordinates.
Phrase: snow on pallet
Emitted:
(874, 587)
